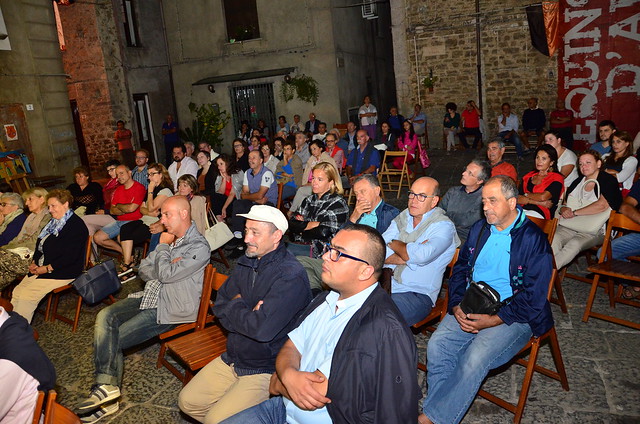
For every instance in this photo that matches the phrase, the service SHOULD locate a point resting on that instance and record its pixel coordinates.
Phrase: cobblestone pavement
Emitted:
(601, 358)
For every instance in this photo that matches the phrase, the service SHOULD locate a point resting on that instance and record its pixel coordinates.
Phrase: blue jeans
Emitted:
(118, 327)
(414, 307)
(458, 362)
(270, 411)
(515, 139)
(622, 247)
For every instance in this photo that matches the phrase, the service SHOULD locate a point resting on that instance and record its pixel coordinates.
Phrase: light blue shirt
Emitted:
(492, 263)
(316, 339)
(370, 219)
(429, 256)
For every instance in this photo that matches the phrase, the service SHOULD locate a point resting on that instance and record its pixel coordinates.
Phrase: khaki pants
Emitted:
(30, 292)
(217, 392)
(568, 243)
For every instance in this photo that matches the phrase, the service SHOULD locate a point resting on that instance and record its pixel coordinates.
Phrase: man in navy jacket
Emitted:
(511, 254)
(258, 305)
(352, 358)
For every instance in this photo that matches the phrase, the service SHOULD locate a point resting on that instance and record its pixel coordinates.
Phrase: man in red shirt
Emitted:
(471, 125)
(125, 147)
(561, 120)
(495, 151)
(125, 206)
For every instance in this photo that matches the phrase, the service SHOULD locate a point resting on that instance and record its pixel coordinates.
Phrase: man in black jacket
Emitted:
(352, 358)
(258, 305)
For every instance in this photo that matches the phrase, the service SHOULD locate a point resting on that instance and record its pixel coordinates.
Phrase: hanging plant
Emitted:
(430, 81)
(303, 86)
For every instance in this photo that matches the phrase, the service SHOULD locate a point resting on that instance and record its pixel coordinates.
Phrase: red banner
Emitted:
(599, 65)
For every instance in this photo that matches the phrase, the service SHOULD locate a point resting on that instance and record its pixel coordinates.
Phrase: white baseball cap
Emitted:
(270, 214)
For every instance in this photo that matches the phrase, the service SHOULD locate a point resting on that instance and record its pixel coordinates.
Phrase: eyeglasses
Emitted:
(421, 197)
(3, 204)
(141, 157)
(335, 254)
(151, 174)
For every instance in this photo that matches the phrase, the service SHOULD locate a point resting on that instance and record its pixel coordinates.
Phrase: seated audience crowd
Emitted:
(311, 335)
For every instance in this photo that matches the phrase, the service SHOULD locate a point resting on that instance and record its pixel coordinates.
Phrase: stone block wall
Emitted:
(441, 36)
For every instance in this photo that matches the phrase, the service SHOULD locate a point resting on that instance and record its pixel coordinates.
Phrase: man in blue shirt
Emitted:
(512, 255)
(351, 357)
(364, 159)
(421, 241)
(140, 171)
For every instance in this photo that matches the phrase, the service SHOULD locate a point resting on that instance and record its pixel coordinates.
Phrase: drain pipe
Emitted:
(415, 52)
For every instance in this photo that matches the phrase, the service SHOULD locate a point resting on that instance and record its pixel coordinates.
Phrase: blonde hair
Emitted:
(332, 175)
(35, 191)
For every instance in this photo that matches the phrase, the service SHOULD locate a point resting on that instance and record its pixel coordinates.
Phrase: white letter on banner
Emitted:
(616, 30)
(618, 4)
(618, 71)
(587, 105)
(588, 65)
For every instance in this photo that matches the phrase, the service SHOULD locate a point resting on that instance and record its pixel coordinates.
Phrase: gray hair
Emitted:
(370, 178)
(14, 198)
(507, 186)
(498, 140)
(485, 169)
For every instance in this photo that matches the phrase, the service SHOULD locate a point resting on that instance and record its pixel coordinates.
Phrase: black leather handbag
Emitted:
(98, 282)
(481, 298)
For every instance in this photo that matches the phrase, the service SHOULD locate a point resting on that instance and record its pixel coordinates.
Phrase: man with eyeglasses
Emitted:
(351, 358)
(463, 204)
(508, 252)
(421, 241)
(258, 305)
(139, 172)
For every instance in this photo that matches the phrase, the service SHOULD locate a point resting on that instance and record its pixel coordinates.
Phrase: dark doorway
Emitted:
(143, 119)
(82, 149)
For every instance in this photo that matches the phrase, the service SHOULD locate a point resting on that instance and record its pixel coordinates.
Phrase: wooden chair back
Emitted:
(54, 413)
(392, 179)
(37, 411)
(342, 128)
(618, 222)
(548, 226)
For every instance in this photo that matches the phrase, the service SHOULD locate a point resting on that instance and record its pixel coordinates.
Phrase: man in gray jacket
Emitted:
(174, 273)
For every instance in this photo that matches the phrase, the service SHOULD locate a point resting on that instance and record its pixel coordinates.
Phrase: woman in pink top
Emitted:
(408, 142)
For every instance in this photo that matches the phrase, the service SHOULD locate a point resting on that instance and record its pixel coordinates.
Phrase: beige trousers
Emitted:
(568, 243)
(217, 392)
(31, 290)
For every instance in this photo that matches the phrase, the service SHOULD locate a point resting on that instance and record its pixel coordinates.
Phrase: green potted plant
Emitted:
(208, 125)
(430, 81)
(302, 86)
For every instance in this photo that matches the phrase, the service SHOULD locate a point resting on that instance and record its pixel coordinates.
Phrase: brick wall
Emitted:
(84, 60)
(442, 36)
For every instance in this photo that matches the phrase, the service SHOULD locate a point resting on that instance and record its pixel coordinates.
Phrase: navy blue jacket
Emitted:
(13, 229)
(373, 371)
(255, 337)
(385, 213)
(530, 268)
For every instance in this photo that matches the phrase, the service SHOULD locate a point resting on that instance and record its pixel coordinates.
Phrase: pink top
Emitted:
(405, 143)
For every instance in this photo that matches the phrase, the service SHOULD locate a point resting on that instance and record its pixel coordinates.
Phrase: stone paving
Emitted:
(601, 358)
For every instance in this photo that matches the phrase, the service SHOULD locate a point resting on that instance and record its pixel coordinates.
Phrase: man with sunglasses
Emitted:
(351, 358)
(421, 241)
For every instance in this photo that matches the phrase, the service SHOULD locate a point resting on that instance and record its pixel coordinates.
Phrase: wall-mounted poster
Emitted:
(11, 132)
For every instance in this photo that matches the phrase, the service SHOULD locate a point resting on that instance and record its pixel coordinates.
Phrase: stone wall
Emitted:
(441, 36)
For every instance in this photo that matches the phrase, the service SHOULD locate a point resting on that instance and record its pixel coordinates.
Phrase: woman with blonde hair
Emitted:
(16, 256)
(321, 214)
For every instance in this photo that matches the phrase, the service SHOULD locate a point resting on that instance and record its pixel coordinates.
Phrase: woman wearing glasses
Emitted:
(159, 190)
(87, 195)
(321, 215)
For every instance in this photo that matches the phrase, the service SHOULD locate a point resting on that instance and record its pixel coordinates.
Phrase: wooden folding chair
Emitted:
(54, 413)
(53, 300)
(439, 310)
(534, 346)
(392, 179)
(212, 281)
(613, 269)
(549, 226)
(37, 411)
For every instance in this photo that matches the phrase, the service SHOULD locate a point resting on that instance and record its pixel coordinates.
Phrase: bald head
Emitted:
(423, 197)
(176, 215)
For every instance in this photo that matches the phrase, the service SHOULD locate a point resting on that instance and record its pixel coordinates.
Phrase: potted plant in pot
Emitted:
(430, 81)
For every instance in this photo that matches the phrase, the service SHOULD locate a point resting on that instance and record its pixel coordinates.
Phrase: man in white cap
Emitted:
(258, 306)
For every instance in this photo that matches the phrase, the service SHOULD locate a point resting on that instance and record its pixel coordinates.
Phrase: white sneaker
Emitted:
(101, 412)
(100, 393)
